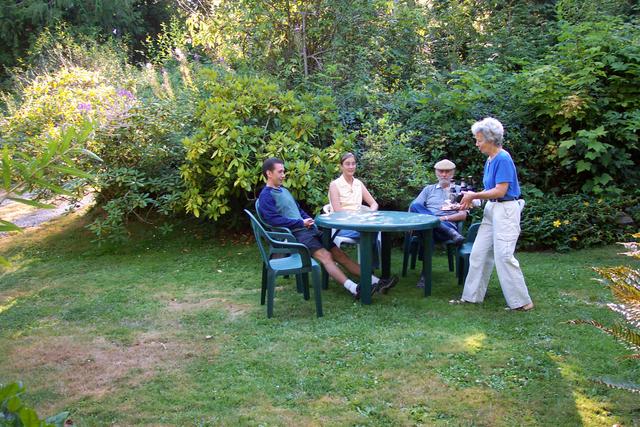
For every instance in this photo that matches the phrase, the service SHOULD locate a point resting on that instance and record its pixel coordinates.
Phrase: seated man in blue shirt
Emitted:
(278, 208)
(431, 200)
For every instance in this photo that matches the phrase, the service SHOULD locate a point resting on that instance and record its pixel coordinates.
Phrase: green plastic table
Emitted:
(369, 223)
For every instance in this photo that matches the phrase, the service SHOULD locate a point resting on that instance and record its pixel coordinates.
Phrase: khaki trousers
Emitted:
(494, 245)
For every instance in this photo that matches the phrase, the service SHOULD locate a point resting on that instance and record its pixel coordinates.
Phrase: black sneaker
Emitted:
(374, 288)
(385, 284)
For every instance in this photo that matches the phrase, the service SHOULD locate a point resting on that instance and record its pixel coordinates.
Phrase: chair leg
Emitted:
(304, 278)
(315, 278)
(451, 249)
(405, 254)
(414, 255)
(271, 290)
(465, 269)
(460, 269)
(263, 291)
(299, 284)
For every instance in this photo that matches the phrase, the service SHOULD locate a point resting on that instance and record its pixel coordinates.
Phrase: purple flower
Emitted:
(84, 106)
(125, 93)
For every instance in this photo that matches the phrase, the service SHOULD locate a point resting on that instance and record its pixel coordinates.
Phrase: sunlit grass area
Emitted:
(169, 331)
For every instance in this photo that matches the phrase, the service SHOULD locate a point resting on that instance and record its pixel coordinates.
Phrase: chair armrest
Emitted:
(289, 247)
(280, 236)
(280, 229)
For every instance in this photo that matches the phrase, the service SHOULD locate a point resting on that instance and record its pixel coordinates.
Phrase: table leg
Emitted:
(426, 261)
(385, 250)
(366, 240)
(326, 240)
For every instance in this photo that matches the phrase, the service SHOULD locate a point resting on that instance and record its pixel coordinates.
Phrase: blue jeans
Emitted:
(355, 235)
(442, 232)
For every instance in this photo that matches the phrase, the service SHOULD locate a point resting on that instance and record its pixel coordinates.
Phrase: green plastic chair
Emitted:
(464, 252)
(268, 227)
(413, 244)
(297, 261)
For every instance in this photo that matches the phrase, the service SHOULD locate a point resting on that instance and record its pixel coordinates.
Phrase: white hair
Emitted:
(491, 129)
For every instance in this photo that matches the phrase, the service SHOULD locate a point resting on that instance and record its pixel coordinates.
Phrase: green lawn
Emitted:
(169, 331)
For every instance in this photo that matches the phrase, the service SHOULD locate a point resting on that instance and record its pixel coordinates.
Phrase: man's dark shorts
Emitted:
(311, 238)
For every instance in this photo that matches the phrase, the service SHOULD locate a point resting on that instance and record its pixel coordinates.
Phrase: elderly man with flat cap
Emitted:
(431, 200)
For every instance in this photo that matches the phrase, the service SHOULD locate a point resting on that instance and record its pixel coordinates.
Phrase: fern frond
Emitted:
(592, 323)
(620, 275)
(632, 356)
(627, 294)
(626, 334)
(634, 388)
(620, 332)
(630, 313)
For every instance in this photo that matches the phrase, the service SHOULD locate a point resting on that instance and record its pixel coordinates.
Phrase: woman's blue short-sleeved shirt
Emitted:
(501, 169)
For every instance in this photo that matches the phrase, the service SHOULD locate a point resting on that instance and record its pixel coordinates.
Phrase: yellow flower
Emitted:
(574, 238)
(537, 218)
(586, 203)
(565, 222)
(557, 223)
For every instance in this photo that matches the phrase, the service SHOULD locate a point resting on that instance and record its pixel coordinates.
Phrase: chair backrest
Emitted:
(264, 224)
(473, 232)
(261, 236)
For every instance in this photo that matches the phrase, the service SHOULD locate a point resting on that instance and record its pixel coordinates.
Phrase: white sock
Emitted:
(351, 286)
(374, 279)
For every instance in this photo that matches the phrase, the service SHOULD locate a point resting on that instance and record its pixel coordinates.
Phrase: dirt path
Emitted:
(26, 216)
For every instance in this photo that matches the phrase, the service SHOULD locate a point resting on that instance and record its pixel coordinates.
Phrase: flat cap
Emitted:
(445, 165)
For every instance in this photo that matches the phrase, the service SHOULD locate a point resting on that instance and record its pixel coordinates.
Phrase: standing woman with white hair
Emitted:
(500, 227)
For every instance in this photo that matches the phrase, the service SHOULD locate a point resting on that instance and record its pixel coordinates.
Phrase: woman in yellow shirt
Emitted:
(347, 192)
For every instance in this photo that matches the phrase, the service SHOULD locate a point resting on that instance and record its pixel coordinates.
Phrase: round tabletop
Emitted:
(377, 221)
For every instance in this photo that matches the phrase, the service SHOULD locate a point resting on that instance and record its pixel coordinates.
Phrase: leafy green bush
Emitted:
(142, 149)
(440, 114)
(585, 96)
(574, 221)
(140, 118)
(393, 172)
(247, 119)
(50, 101)
(14, 413)
(52, 171)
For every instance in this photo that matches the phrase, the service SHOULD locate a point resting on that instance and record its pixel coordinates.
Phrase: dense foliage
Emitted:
(139, 119)
(247, 119)
(394, 172)
(577, 221)
(585, 95)
(21, 22)
(402, 80)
